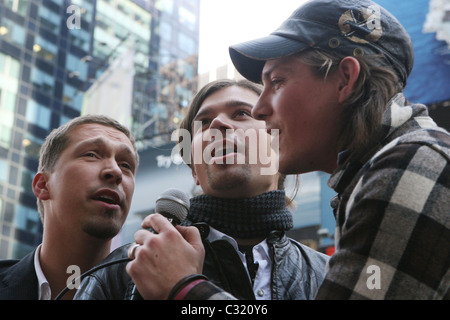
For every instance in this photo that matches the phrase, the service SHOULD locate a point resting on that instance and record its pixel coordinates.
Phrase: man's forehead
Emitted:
(276, 65)
(98, 134)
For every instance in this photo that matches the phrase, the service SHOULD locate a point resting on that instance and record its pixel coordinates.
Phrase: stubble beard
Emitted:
(105, 229)
(222, 180)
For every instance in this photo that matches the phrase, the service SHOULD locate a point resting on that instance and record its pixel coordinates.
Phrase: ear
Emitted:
(194, 175)
(348, 72)
(40, 188)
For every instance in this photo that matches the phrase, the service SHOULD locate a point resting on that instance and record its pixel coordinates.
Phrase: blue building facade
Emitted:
(51, 52)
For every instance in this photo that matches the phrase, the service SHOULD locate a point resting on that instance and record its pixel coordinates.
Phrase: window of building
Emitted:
(9, 74)
(45, 49)
(3, 170)
(186, 44)
(27, 181)
(186, 70)
(165, 31)
(9, 30)
(115, 22)
(80, 38)
(9, 67)
(72, 97)
(187, 18)
(17, 6)
(5, 133)
(32, 145)
(38, 114)
(164, 5)
(42, 81)
(64, 119)
(76, 67)
(49, 19)
(26, 219)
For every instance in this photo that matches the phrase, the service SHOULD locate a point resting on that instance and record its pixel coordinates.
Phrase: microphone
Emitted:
(174, 205)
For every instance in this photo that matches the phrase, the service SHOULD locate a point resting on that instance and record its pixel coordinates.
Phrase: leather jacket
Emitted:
(297, 272)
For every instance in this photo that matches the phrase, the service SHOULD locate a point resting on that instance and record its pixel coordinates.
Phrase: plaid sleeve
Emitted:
(395, 230)
(206, 290)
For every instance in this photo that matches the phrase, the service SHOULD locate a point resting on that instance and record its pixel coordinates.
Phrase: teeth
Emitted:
(223, 151)
(107, 199)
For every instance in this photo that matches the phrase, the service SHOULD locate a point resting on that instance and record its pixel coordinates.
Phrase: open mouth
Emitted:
(107, 196)
(222, 151)
(106, 199)
(226, 152)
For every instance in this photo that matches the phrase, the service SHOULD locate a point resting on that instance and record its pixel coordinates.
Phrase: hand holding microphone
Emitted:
(168, 255)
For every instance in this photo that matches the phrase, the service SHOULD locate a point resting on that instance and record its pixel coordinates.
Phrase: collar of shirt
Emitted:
(43, 286)
(261, 286)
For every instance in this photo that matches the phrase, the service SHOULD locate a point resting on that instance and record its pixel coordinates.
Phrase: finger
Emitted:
(159, 223)
(146, 222)
(190, 234)
(132, 250)
(141, 236)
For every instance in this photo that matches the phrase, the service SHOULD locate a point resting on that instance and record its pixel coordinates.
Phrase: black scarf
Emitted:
(243, 218)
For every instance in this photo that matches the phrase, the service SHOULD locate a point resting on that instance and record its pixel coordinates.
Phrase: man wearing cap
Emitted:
(333, 76)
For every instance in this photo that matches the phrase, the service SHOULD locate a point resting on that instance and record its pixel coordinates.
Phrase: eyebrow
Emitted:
(94, 141)
(101, 142)
(266, 73)
(231, 104)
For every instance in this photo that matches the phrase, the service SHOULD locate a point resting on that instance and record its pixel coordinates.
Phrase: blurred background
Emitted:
(141, 61)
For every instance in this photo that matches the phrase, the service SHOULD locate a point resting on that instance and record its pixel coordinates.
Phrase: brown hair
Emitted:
(208, 90)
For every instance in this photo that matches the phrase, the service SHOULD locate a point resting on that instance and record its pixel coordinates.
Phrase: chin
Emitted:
(105, 231)
(227, 179)
(286, 168)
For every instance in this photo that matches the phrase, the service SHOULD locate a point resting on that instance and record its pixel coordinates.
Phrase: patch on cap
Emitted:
(362, 26)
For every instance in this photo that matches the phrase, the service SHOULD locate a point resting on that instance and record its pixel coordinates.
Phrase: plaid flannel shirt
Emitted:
(392, 216)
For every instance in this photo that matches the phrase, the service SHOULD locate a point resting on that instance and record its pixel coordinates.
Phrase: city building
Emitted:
(54, 51)
(56, 55)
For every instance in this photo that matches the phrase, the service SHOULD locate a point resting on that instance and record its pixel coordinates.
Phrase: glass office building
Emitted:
(51, 52)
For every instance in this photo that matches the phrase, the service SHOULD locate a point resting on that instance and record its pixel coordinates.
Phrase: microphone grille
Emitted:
(173, 203)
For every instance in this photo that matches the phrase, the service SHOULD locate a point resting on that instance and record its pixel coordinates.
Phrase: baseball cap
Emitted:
(345, 27)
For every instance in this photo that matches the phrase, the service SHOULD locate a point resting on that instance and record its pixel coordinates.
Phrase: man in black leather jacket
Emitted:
(242, 215)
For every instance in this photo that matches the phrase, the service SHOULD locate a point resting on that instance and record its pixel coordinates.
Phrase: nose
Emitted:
(262, 109)
(112, 172)
(221, 122)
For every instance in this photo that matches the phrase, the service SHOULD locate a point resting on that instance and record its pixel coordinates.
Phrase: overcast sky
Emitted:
(224, 23)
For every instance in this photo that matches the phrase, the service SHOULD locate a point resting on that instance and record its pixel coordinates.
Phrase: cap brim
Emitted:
(249, 57)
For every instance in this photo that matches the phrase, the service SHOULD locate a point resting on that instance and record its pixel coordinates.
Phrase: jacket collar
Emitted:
(20, 282)
(398, 118)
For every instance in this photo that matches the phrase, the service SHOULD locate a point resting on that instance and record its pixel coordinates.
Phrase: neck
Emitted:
(58, 254)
